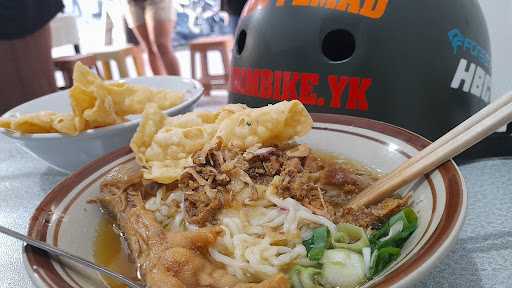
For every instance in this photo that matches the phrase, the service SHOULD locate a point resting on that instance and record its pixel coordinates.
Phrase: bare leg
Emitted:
(162, 32)
(155, 61)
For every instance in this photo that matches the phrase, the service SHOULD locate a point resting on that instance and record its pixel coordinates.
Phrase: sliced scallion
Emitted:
(350, 237)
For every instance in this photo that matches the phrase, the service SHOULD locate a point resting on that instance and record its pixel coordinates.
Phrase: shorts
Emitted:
(139, 11)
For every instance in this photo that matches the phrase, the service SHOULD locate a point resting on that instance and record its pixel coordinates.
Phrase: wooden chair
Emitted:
(119, 56)
(223, 44)
(66, 65)
(65, 32)
(116, 53)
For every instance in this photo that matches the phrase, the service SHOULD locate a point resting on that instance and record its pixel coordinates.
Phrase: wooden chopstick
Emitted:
(451, 144)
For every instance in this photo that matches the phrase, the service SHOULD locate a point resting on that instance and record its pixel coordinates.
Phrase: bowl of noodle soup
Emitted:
(65, 218)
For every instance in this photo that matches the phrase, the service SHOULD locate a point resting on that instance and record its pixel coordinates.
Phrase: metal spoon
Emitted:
(58, 252)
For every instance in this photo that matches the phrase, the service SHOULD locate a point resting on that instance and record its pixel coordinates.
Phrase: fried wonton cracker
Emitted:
(5, 123)
(97, 103)
(91, 104)
(65, 123)
(35, 123)
(131, 99)
(164, 146)
(268, 125)
(104, 112)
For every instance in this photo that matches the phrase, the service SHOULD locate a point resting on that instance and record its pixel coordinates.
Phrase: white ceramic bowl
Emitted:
(68, 153)
(65, 219)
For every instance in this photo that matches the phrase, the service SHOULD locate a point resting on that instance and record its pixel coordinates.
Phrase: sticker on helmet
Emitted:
(458, 40)
(373, 9)
(290, 85)
(470, 77)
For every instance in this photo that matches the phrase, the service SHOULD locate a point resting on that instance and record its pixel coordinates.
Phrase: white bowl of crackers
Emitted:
(67, 129)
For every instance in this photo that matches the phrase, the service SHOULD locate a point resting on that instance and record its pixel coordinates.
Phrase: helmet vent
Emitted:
(338, 45)
(240, 42)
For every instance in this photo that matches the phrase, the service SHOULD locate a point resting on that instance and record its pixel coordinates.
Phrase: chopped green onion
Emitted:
(316, 245)
(407, 215)
(294, 276)
(309, 276)
(342, 268)
(350, 237)
(381, 259)
(308, 243)
(304, 277)
(367, 256)
(386, 243)
(393, 230)
(396, 231)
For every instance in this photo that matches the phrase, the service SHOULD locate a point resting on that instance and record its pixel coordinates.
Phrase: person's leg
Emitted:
(161, 16)
(163, 31)
(155, 60)
(24, 60)
(135, 17)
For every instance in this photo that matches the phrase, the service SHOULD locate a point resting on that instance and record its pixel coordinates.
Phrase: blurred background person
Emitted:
(26, 69)
(152, 22)
(77, 10)
(234, 9)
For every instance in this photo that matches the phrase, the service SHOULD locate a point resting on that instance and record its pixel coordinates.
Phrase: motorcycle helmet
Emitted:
(421, 65)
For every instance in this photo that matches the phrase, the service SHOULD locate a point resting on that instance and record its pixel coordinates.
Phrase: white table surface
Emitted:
(482, 257)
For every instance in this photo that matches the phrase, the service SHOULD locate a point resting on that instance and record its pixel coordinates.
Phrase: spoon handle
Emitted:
(58, 252)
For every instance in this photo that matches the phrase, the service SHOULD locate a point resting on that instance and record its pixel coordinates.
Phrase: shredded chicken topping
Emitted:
(225, 177)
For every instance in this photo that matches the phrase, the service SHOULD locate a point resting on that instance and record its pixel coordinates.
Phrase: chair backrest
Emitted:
(65, 31)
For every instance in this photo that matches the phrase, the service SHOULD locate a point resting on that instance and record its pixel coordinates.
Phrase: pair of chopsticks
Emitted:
(460, 138)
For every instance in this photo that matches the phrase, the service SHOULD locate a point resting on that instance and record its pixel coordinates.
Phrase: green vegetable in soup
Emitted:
(387, 242)
(342, 268)
(350, 237)
(294, 276)
(304, 277)
(381, 259)
(317, 244)
(355, 257)
(396, 231)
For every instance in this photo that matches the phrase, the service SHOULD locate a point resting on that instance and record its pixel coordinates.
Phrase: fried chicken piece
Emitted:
(161, 278)
(197, 240)
(278, 281)
(390, 206)
(114, 185)
(369, 217)
(362, 217)
(166, 260)
(193, 269)
(121, 177)
(340, 177)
